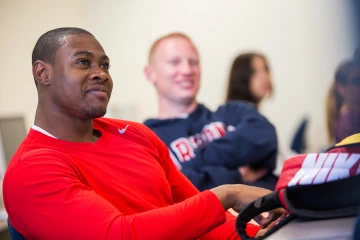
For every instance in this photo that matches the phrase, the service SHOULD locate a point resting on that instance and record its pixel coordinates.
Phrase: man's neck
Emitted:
(173, 110)
(65, 127)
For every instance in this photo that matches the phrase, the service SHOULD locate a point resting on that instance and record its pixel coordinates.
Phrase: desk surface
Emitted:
(329, 229)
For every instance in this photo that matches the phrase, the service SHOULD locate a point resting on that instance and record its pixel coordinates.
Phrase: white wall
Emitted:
(303, 39)
(21, 24)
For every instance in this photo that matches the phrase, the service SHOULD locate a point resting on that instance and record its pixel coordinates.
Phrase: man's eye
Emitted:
(84, 62)
(105, 66)
(193, 62)
(174, 62)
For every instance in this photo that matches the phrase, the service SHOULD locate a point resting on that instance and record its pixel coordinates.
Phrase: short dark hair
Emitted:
(239, 79)
(48, 44)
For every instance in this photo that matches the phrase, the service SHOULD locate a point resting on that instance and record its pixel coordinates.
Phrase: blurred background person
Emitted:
(250, 80)
(343, 102)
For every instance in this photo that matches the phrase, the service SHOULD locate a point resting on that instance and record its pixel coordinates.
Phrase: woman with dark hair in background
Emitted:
(343, 103)
(249, 79)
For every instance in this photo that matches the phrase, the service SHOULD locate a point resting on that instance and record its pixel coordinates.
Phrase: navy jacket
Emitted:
(209, 146)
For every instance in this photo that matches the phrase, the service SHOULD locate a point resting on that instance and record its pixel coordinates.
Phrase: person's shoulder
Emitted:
(151, 121)
(36, 144)
(35, 149)
(162, 124)
(237, 105)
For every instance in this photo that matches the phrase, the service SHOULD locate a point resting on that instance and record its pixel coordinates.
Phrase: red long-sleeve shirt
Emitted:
(124, 186)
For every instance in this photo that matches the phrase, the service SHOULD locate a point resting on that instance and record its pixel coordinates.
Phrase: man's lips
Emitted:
(186, 83)
(100, 91)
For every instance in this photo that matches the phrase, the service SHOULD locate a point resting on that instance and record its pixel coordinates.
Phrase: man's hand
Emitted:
(250, 175)
(271, 218)
(237, 196)
(262, 231)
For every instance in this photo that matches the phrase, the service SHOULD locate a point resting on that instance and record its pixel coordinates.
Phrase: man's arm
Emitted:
(252, 142)
(46, 199)
(206, 177)
(182, 189)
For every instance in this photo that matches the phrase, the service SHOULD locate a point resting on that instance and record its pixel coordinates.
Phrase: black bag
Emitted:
(316, 186)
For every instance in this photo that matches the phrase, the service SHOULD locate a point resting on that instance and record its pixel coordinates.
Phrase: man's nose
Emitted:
(186, 67)
(99, 74)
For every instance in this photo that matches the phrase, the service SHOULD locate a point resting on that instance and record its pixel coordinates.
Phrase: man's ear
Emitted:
(41, 72)
(150, 73)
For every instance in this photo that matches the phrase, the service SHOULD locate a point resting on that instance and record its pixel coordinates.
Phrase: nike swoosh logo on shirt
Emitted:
(122, 131)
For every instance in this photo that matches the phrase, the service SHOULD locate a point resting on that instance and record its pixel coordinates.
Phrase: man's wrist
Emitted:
(225, 194)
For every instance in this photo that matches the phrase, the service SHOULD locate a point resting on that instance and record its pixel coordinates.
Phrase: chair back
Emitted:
(15, 235)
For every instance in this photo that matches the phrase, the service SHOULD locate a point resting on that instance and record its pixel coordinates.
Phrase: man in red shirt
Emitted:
(79, 176)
